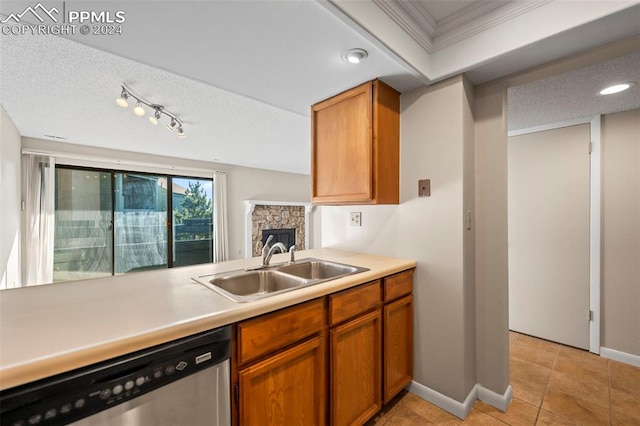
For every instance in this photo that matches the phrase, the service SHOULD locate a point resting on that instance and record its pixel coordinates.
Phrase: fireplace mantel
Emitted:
(249, 206)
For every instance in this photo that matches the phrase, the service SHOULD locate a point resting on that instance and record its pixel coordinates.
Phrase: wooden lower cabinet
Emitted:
(333, 360)
(356, 368)
(285, 389)
(398, 346)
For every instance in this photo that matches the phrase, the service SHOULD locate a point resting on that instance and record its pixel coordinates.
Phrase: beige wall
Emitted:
(435, 133)
(621, 231)
(469, 236)
(492, 292)
(243, 183)
(10, 202)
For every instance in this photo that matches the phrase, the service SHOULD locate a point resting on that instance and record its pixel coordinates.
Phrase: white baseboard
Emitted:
(461, 409)
(625, 357)
(501, 402)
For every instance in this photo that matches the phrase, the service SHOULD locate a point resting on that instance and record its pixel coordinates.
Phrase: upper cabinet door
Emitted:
(355, 147)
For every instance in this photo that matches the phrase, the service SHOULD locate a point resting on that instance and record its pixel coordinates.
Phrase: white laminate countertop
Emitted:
(50, 329)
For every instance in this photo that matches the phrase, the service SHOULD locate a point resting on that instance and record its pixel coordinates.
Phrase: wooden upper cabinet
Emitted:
(355, 145)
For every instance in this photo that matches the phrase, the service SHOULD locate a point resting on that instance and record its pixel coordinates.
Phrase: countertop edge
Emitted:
(14, 375)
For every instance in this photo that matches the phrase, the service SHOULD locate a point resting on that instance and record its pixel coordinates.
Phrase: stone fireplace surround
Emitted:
(276, 215)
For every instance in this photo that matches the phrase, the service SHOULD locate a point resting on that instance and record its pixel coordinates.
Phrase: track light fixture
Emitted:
(138, 110)
(158, 110)
(122, 100)
(153, 119)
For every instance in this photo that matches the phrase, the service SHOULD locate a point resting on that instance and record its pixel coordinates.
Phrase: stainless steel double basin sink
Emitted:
(248, 285)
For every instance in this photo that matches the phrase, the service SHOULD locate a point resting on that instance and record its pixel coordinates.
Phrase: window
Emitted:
(192, 201)
(113, 222)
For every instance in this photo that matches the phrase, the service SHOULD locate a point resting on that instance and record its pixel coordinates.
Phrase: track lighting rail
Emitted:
(158, 110)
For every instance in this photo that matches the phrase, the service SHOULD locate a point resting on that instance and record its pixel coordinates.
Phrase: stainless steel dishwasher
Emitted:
(183, 382)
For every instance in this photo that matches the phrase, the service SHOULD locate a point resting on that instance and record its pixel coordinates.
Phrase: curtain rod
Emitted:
(109, 160)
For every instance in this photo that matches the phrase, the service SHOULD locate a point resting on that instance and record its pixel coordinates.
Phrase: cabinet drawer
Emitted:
(398, 285)
(354, 301)
(267, 333)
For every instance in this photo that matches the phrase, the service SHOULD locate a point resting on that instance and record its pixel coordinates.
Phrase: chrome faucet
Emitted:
(267, 251)
(292, 252)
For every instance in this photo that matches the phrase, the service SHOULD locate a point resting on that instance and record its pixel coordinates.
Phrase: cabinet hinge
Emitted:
(590, 147)
(590, 315)
(236, 393)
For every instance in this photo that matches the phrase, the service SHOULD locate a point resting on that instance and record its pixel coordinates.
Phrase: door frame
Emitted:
(595, 194)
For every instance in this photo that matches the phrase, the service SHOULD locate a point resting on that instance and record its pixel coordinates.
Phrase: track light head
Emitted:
(154, 118)
(138, 110)
(122, 100)
(171, 125)
(180, 132)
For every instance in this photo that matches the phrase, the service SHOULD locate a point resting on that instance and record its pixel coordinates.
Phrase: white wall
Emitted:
(243, 183)
(10, 202)
(429, 230)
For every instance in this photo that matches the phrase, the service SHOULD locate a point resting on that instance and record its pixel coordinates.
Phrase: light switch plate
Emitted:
(356, 219)
(424, 188)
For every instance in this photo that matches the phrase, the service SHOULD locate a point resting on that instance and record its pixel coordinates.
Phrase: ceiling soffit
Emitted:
(414, 18)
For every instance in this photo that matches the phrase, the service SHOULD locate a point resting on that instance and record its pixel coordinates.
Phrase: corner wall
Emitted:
(11, 202)
(435, 129)
(492, 278)
(621, 232)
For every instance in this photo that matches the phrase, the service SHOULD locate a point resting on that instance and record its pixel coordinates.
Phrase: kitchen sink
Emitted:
(248, 285)
(244, 286)
(313, 269)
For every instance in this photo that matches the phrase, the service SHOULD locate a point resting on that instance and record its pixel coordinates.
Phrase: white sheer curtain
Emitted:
(39, 181)
(220, 229)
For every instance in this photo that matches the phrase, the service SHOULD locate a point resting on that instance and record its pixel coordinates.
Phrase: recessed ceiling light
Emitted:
(354, 56)
(616, 88)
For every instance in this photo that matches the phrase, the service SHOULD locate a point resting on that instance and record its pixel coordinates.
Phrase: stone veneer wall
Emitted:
(276, 217)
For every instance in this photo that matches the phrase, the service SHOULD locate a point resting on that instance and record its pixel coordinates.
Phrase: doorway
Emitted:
(552, 293)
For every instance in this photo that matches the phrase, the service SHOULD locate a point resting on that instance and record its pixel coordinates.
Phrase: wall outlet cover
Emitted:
(424, 188)
(355, 219)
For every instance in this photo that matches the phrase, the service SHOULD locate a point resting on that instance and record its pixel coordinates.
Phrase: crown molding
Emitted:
(415, 20)
(412, 19)
(488, 19)
(467, 14)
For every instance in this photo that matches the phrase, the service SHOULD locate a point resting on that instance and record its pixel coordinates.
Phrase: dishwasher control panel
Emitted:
(78, 394)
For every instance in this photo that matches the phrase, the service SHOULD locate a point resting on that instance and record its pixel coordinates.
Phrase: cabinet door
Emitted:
(398, 346)
(341, 151)
(355, 356)
(285, 389)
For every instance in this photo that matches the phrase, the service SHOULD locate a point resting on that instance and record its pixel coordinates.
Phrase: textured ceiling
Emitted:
(284, 53)
(53, 86)
(574, 95)
(242, 74)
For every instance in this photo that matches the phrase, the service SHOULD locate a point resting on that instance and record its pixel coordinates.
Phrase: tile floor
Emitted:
(552, 385)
